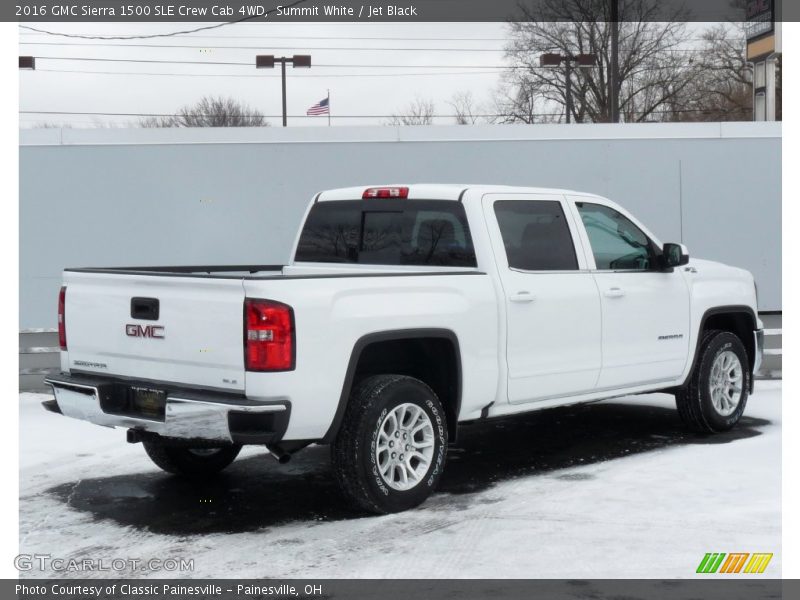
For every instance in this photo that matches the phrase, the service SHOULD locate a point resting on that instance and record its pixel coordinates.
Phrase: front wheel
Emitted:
(190, 462)
(715, 396)
(390, 452)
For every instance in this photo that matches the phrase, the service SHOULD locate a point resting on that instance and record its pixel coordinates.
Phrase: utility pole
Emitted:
(579, 60)
(568, 92)
(267, 61)
(613, 76)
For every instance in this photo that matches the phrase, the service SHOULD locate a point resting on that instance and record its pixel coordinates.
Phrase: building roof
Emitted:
(393, 134)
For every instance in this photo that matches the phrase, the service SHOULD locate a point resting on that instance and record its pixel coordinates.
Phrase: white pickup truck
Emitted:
(406, 311)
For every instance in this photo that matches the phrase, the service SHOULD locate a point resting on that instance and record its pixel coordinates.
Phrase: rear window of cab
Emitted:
(387, 232)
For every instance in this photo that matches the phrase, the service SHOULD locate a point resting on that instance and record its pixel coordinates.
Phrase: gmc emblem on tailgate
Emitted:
(148, 331)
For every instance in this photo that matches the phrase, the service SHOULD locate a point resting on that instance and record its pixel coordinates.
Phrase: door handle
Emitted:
(615, 292)
(523, 296)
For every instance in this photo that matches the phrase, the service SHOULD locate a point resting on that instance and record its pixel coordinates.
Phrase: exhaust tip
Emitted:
(279, 454)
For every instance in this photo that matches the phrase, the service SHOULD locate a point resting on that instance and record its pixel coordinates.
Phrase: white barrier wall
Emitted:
(123, 197)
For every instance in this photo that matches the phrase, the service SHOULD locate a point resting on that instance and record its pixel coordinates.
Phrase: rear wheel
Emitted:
(390, 452)
(190, 462)
(716, 394)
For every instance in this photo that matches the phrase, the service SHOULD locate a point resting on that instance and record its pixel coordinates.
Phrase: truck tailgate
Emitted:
(178, 329)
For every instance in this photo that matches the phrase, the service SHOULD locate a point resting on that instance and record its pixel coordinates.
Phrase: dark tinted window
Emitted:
(617, 243)
(387, 232)
(536, 235)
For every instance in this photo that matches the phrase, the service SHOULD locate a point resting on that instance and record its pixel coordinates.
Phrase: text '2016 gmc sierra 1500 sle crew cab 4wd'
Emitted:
(406, 310)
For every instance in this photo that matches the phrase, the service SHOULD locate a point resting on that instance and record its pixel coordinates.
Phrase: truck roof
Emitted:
(436, 191)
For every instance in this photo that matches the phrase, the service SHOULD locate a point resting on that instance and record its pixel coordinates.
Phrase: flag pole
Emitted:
(329, 108)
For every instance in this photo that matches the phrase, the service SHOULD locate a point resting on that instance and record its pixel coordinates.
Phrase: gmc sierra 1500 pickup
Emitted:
(406, 311)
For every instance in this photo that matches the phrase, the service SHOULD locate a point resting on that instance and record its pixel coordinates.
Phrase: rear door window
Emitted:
(536, 235)
(387, 232)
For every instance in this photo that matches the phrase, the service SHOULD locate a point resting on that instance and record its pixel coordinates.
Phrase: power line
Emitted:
(329, 37)
(202, 47)
(341, 66)
(252, 64)
(136, 114)
(141, 37)
(304, 47)
(262, 76)
(336, 66)
(157, 35)
(365, 38)
(374, 116)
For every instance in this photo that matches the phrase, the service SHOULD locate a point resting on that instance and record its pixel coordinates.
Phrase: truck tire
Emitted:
(190, 462)
(390, 452)
(714, 398)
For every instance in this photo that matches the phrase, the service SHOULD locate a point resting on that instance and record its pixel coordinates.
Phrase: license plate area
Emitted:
(133, 401)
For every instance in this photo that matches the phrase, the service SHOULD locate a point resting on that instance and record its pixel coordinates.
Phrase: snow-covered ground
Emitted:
(615, 489)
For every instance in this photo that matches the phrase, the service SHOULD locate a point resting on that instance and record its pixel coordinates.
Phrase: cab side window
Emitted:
(617, 244)
(536, 235)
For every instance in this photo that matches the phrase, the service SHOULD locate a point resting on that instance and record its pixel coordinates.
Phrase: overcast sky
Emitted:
(391, 64)
(403, 70)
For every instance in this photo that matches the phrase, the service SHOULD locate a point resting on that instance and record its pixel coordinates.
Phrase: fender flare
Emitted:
(722, 310)
(388, 336)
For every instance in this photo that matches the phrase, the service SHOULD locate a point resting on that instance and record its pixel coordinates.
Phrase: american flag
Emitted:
(320, 108)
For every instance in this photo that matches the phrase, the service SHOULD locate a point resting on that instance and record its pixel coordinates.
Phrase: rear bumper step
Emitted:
(52, 406)
(181, 413)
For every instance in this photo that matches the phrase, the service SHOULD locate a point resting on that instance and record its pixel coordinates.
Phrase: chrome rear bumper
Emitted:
(187, 415)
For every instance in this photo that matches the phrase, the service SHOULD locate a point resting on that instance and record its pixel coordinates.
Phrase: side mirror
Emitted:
(675, 255)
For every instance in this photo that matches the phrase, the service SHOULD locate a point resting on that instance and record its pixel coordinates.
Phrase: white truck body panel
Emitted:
(201, 320)
(331, 318)
(526, 339)
(546, 357)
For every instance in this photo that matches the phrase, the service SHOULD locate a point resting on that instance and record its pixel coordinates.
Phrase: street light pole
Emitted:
(283, 90)
(568, 93)
(579, 60)
(267, 61)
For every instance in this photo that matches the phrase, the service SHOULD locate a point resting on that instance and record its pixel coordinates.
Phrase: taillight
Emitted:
(62, 324)
(385, 192)
(268, 336)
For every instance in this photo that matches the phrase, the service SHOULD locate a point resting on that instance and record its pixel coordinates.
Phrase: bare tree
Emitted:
(418, 112)
(518, 100)
(652, 65)
(211, 111)
(723, 89)
(50, 125)
(93, 123)
(464, 107)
